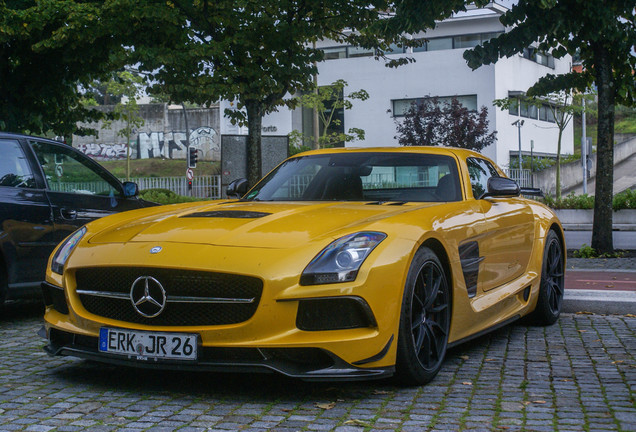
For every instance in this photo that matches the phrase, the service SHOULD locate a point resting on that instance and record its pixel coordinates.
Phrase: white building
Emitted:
(439, 70)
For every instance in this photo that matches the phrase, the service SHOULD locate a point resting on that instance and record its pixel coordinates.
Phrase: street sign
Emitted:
(189, 174)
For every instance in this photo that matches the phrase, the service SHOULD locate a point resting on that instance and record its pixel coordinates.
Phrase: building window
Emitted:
(513, 109)
(360, 52)
(538, 57)
(434, 44)
(401, 106)
(394, 49)
(528, 110)
(422, 47)
(467, 41)
(546, 113)
(440, 44)
(335, 52)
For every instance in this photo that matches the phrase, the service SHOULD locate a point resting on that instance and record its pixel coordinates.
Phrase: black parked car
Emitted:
(47, 190)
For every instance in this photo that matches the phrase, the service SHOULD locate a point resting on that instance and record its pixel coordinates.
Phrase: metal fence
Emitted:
(202, 186)
(522, 177)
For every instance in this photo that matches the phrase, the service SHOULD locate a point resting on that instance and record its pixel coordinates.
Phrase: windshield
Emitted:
(368, 176)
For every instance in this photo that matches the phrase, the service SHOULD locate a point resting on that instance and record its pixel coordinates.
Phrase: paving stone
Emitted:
(577, 373)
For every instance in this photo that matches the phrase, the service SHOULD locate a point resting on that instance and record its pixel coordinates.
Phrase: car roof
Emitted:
(23, 136)
(450, 151)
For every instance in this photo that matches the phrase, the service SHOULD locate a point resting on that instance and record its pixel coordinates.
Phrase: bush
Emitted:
(165, 196)
(621, 201)
(625, 200)
(589, 252)
(585, 252)
(570, 201)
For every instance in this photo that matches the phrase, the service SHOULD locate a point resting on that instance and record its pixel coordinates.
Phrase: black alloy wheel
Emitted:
(425, 320)
(552, 282)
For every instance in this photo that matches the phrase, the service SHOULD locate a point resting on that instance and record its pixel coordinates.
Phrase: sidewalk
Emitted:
(600, 285)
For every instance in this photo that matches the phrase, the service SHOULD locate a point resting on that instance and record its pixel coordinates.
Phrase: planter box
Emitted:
(582, 220)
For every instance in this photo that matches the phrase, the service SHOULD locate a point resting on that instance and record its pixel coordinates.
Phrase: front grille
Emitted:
(196, 285)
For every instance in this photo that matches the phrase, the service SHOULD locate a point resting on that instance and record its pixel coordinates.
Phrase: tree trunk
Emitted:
(558, 166)
(254, 125)
(602, 239)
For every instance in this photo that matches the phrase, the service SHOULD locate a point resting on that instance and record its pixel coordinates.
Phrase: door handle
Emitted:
(68, 213)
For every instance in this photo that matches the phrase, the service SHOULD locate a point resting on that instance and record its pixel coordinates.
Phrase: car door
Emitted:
(507, 244)
(26, 231)
(79, 189)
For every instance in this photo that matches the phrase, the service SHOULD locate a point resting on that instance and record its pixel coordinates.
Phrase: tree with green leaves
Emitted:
(433, 122)
(254, 52)
(603, 35)
(126, 86)
(259, 52)
(327, 101)
(562, 107)
(50, 49)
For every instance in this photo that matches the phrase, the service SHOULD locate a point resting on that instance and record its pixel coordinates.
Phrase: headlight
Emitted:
(341, 260)
(63, 252)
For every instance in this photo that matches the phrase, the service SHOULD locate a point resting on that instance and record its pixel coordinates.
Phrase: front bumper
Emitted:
(310, 364)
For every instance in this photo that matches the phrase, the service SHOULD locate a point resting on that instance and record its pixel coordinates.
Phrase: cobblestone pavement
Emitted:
(579, 374)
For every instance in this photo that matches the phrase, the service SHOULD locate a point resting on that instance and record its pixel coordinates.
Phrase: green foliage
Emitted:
(256, 52)
(570, 201)
(326, 101)
(585, 252)
(433, 123)
(603, 36)
(624, 200)
(298, 143)
(165, 196)
(50, 50)
(596, 33)
(589, 252)
(621, 201)
(541, 163)
(157, 167)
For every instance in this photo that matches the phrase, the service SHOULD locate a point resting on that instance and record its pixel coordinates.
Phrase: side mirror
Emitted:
(237, 188)
(131, 189)
(501, 187)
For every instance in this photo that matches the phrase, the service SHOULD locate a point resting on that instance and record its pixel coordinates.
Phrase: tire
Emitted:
(3, 288)
(424, 320)
(551, 289)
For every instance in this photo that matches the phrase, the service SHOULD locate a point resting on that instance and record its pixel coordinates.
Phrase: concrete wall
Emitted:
(274, 149)
(162, 135)
(572, 173)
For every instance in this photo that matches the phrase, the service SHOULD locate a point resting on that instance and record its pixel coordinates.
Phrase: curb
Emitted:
(599, 302)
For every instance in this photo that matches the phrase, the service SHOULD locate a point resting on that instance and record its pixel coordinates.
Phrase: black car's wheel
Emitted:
(424, 320)
(552, 283)
(3, 287)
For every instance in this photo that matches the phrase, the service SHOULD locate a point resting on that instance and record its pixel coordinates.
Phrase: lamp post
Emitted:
(519, 123)
(584, 154)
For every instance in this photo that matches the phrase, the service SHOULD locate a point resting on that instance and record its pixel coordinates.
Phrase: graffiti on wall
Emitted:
(104, 151)
(166, 145)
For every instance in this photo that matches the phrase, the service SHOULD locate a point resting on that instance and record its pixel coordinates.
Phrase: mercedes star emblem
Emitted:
(148, 296)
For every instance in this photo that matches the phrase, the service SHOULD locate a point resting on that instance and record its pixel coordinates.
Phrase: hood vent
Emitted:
(391, 203)
(231, 214)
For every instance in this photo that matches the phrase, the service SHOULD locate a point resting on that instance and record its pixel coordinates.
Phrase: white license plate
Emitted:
(148, 345)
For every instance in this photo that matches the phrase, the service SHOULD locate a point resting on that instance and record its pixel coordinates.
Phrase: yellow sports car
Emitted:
(339, 264)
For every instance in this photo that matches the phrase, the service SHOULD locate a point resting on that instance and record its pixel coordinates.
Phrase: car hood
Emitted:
(252, 224)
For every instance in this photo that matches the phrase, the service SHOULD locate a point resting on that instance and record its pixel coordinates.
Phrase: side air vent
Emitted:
(232, 214)
(470, 259)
